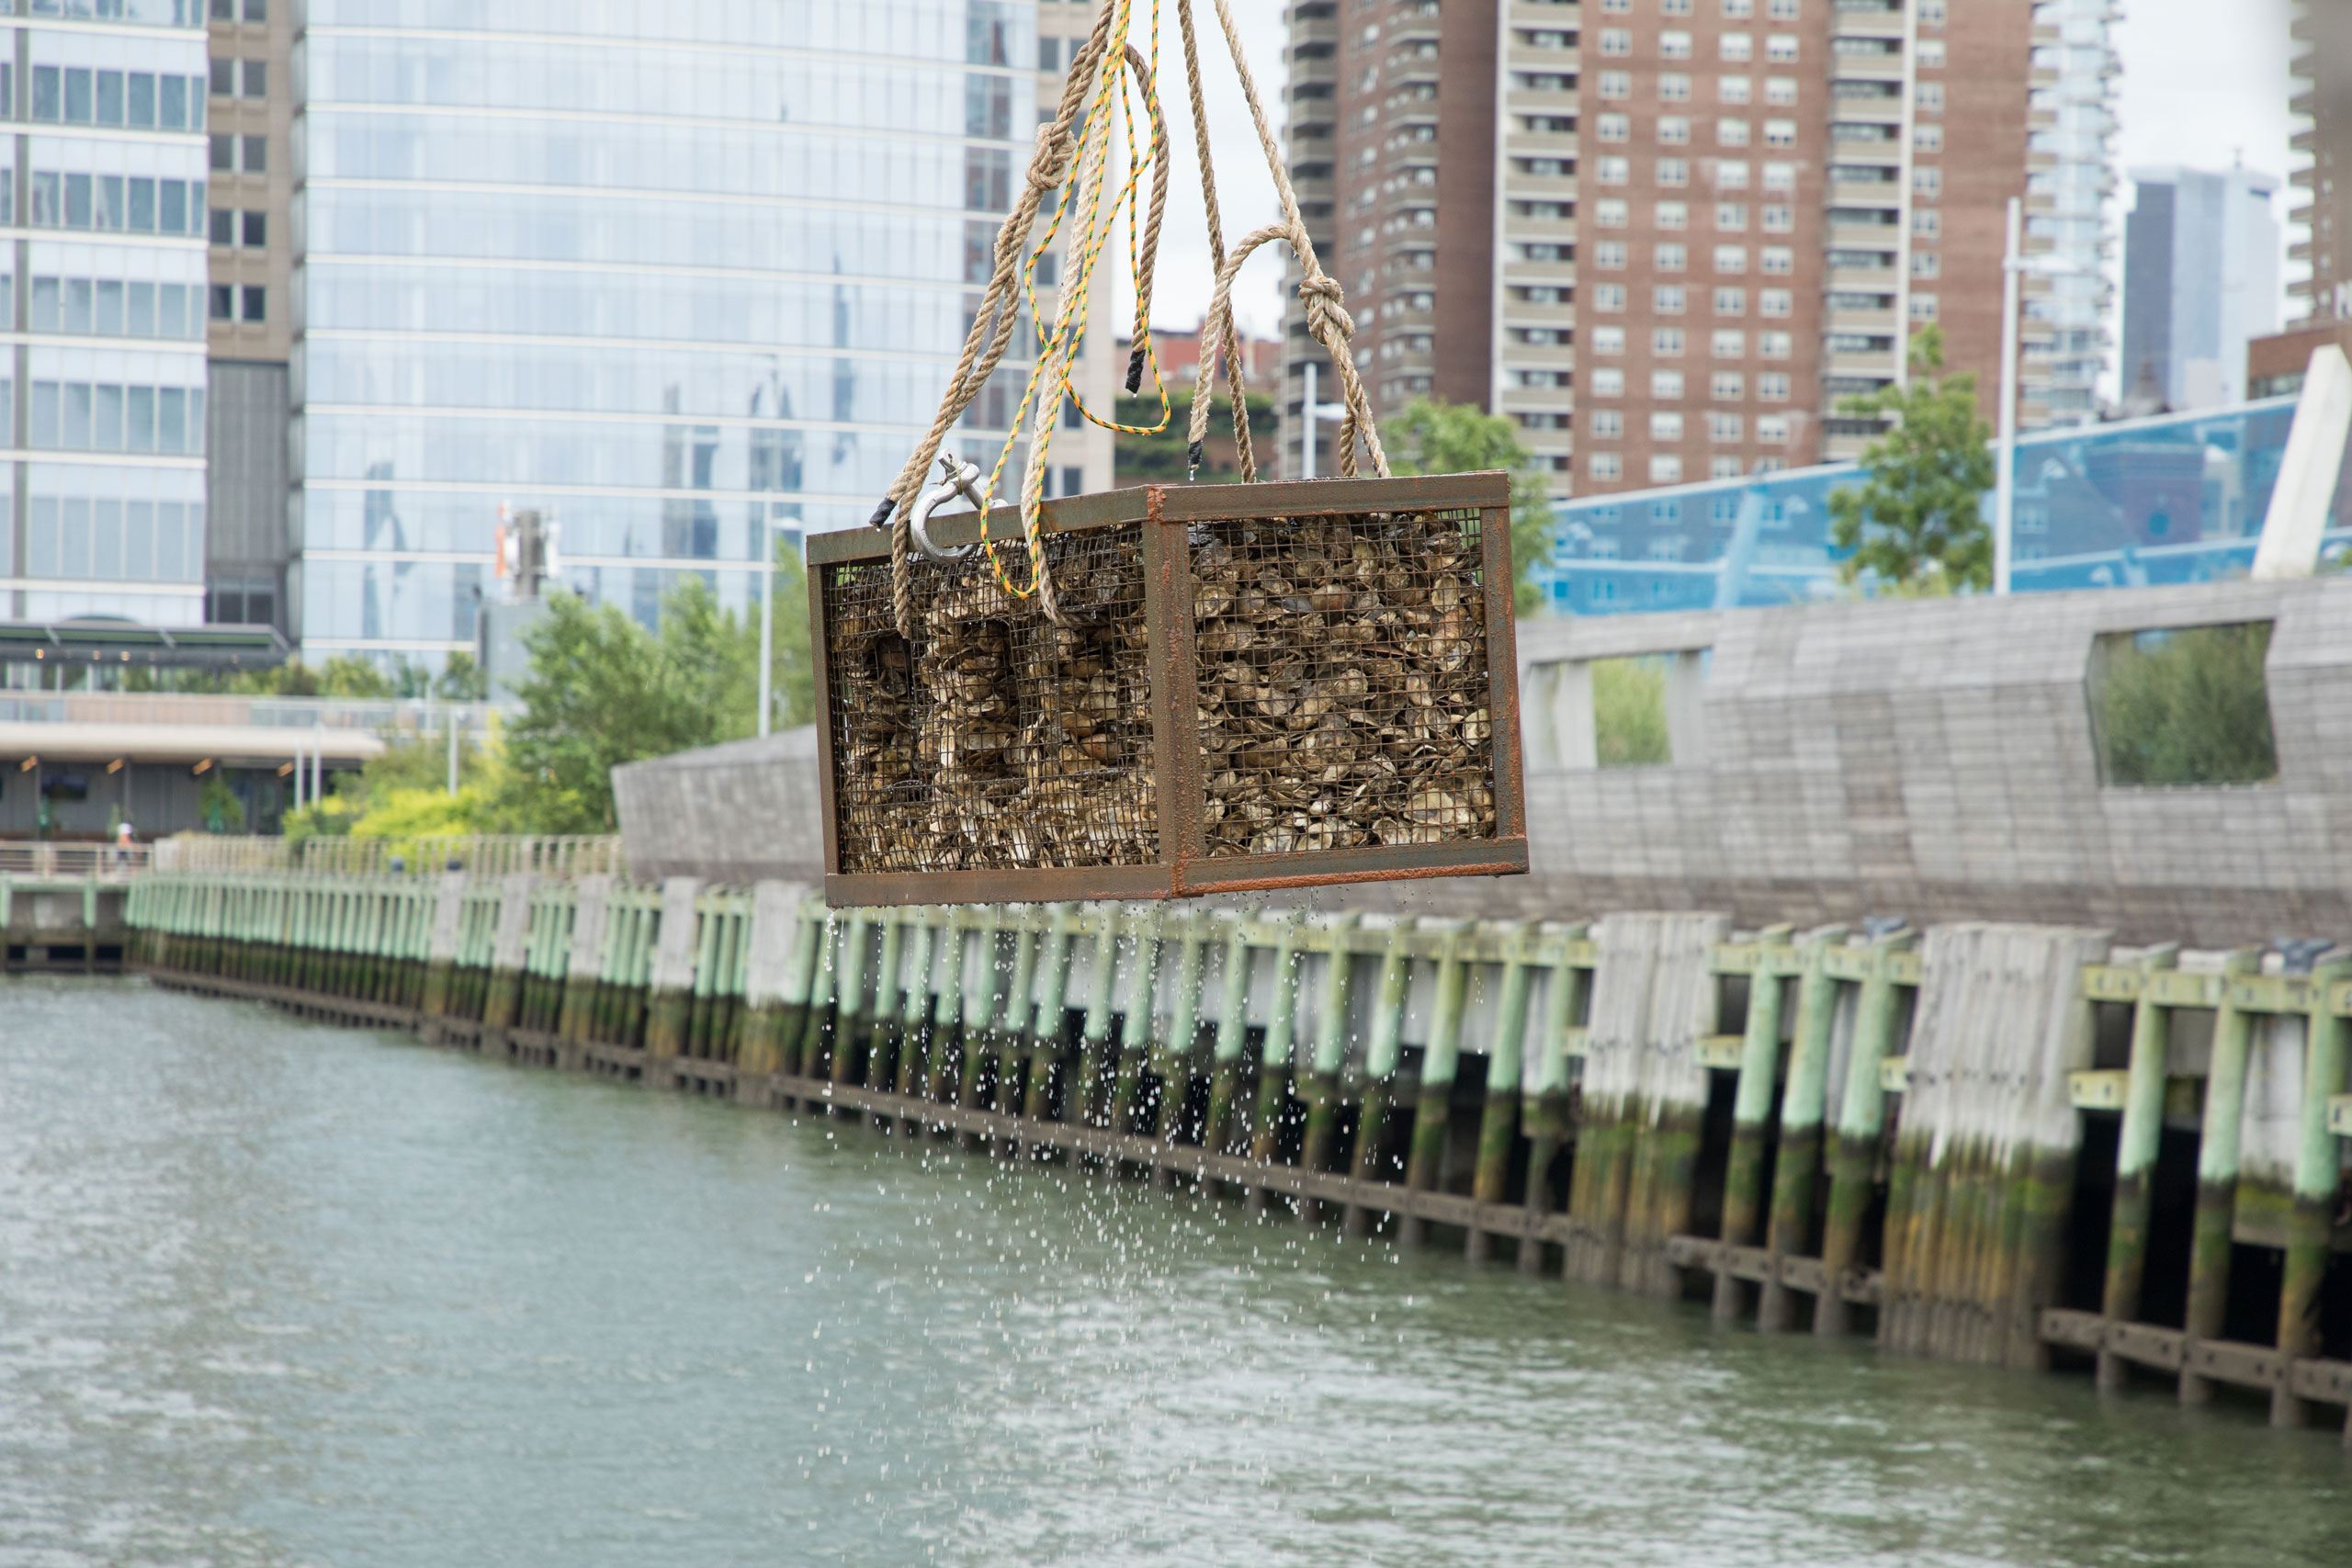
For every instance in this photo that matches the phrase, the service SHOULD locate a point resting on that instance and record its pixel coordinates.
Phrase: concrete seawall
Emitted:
(1934, 761)
(2012, 1145)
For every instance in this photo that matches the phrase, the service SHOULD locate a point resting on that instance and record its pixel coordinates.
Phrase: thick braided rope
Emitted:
(1326, 320)
(993, 325)
(1150, 261)
(1242, 447)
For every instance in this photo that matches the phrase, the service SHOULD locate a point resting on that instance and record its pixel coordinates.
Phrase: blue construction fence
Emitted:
(2179, 498)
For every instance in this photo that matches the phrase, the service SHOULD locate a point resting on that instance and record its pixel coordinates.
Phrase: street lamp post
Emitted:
(2005, 483)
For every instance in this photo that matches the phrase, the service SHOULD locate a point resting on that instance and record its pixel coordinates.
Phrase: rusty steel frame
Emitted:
(1184, 869)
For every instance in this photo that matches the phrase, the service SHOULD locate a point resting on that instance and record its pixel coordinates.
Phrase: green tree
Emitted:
(1161, 456)
(1435, 437)
(1917, 523)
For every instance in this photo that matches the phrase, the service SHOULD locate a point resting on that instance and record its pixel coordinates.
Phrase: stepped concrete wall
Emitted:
(1931, 759)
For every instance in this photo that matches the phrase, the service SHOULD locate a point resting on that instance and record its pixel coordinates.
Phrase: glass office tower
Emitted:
(667, 270)
(104, 290)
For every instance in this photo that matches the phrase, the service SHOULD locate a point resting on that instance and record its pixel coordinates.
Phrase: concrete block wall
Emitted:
(1933, 759)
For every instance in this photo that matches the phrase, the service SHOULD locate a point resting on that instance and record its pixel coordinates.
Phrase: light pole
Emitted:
(2014, 268)
(767, 608)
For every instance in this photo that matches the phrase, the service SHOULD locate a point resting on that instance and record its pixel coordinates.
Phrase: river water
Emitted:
(271, 1293)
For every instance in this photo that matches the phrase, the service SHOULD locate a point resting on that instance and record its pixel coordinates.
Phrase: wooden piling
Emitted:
(850, 1016)
(1804, 1105)
(2135, 1164)
(1232, 1038)
(1087, 1106)
(1382, 1050)
(1862, 1118)
(1433, 1102)
(1498, 1119)
(1046, 1030)
(1141, 1016)
(2310, 1223)
(1274, 1058)
(1751, 1116)
(1013, 1025)
(1322, 1079)
(1546, 1109)
(2216, 1171)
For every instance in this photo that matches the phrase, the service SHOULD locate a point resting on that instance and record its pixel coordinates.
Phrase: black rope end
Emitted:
(1135, 369)
(881, 518)
(1193, 458)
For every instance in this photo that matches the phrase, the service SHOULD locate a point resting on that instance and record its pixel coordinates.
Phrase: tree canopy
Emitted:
(1916, 524)
(1436, 437)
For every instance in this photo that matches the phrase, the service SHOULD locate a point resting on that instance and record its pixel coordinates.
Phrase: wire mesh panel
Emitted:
(1282, 684)
(1343, 682)
(998, 740)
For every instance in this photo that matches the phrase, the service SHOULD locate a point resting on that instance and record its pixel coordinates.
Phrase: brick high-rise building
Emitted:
(2323, 97)
(1669, 237)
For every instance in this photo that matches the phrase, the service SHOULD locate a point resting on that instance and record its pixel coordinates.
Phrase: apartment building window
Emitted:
(1612, 128)
(1779, 259)
(1925, 306)
(1776, 345)
(139, 99)
(1779, 219)
(1616, 85)
(1674, 130)
(1613, 170)
(1731, 216)
(1666, 299)
(1780, 134)
(1928, 137)
(1673, 257)
(1674, 172)
(1727, 387)
(1673, 215)
(241, 154)
(1666, 426)
(1050, 54)
(1782, 10)
(1608, 465)
(1667, 385)
(255, 300)
(1608, 383)
(1927, 182)
(1675, 7)
(1673, 88)
(1731, 258)
(1731, 173)
(1931, 98)
(1608, 340)
(1772, 429)
(1616, 43)
(223, 302)
(1773, 386)
(253, 229)
(1731, 132)
(988, 179)
(1673, 45)
(1608, 298)
(1731, 302)
(1610, 256)
(1723, 467)
(1665, 343)
(1734, 90)
(1931, 13)
(1738, 48)
(1729, 343)
(253, 10)
(1611, 213)
(1665, 471)
(1927, 223)
(1780, 92)
(1725, 426)
(1931, 55)
(1607, 424)
(1780, 49)
(1926, 264)
(225, 226)
(1775, 302)
(1738, 10)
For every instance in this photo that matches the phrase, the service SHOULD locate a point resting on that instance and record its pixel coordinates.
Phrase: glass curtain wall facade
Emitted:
(667, 270)
(103, 402)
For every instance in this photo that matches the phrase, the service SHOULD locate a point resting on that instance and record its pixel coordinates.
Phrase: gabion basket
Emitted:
(1257, 686)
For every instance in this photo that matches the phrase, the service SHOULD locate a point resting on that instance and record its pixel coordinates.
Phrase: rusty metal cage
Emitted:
(1255, 686)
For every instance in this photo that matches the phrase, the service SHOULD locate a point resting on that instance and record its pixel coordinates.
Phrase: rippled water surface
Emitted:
(278, 1294)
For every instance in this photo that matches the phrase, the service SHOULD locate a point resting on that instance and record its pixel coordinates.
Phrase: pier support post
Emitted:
(1382, 1053)
(1321, 1088)
(1803, 1103)
(2216, 1171)
(2309, 1221)
(1142, 1014)
(1751, 1116)
(1173, 1057)
(780, 951)
(1012, 1030)
(2135, 1164)
(1232, 1038)
(503, 994)
(850, 1015)
(1498, 1119)
(1086, 1103)
(441, 949)
(1546, 1106)
(1861, 1119)
(1433, 1104)
(1274, 1058)
(1046, 1030)
(674, 965)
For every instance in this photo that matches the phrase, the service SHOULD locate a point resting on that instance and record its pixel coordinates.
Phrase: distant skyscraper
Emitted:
(104, 402)
(1669, 238)
(2200, 280)
(666, 273)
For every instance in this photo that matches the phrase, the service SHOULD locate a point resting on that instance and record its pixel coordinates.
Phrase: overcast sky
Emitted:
(2204, 83)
